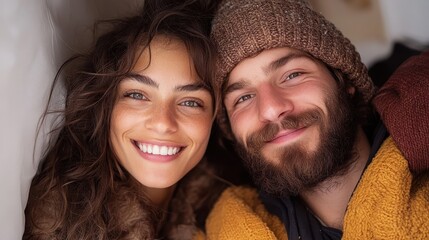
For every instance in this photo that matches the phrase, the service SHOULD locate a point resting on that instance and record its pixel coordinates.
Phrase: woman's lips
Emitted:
(158, 149)
(158, 152)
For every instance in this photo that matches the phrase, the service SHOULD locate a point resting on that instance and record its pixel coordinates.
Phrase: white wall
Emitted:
(374, 28)
(406, 19)
(35, 38)
(26, 68)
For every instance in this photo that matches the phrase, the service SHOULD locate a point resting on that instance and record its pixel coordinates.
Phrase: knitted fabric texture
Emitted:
(244, 28)
(388, 203)
(240, 215)
(403, 104)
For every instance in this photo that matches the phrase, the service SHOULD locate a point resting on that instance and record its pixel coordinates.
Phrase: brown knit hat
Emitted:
(244, 28)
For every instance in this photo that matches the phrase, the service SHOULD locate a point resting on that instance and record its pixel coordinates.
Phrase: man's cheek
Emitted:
(238, 136)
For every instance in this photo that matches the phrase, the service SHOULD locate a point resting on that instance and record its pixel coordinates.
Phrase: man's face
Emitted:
(294, 127)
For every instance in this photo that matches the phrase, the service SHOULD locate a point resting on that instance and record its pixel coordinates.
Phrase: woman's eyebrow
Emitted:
(149, 81)
(143, 79)
(191, 87)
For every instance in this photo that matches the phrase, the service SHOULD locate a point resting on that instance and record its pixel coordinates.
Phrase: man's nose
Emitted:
(273, 104)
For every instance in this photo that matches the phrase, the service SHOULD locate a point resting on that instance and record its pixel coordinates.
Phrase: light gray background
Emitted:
(37, 36)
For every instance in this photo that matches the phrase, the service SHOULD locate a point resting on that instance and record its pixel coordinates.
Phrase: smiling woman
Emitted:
(161, 119)
(137, 121)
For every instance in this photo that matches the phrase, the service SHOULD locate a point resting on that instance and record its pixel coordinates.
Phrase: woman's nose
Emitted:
(162, 120)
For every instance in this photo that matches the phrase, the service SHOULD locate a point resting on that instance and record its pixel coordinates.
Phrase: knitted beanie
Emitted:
(244, 28)
(403, 104)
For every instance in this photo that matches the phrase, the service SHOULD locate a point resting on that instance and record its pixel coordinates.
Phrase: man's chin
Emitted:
(272, 157)
(276, 155)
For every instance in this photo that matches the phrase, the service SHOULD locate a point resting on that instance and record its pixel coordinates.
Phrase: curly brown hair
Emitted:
(80, 190)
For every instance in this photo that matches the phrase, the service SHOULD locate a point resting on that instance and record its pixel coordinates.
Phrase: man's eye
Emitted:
(293, 75)
(191, 103)
(245, 98)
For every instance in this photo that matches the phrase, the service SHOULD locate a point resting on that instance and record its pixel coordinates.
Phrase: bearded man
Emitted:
(296, 100)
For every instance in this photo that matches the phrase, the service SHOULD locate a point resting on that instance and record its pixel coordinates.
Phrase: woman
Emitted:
(137, 119)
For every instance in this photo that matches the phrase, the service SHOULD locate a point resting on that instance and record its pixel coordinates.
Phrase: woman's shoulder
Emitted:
(43, 211)
(51, 213)
(240, 214)
(246, 195)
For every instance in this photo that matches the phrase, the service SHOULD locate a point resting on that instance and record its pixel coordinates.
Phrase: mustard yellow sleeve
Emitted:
(389, 203)
(239, 214)
(199, 235)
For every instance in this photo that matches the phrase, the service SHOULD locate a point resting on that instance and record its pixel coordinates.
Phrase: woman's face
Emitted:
(162, 117)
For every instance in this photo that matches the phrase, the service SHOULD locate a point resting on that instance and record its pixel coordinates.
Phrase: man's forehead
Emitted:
(267, 61)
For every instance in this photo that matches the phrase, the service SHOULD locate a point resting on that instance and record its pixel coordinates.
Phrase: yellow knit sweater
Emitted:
(387, 204)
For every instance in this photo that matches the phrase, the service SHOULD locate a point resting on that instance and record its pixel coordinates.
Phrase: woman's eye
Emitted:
(191, 103)
(245, 98)
(135, 95)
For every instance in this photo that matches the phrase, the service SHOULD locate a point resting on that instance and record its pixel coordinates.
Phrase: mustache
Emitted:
(257, 139)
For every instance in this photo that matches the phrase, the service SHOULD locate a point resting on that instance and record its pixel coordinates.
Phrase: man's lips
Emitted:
(287, 135)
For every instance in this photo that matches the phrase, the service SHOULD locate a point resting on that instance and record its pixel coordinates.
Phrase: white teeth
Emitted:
(164, 150)
(158, 150)
(155, 150)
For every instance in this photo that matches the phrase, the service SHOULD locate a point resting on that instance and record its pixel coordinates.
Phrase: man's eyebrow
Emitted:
(143, 79)
(276, 64)
(234, 87)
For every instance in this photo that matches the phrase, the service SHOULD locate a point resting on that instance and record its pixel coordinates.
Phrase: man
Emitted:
(296, 101)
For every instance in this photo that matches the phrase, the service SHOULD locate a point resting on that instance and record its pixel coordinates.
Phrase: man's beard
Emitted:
(297, 169)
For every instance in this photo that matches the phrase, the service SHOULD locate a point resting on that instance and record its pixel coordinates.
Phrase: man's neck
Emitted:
(329, 200)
